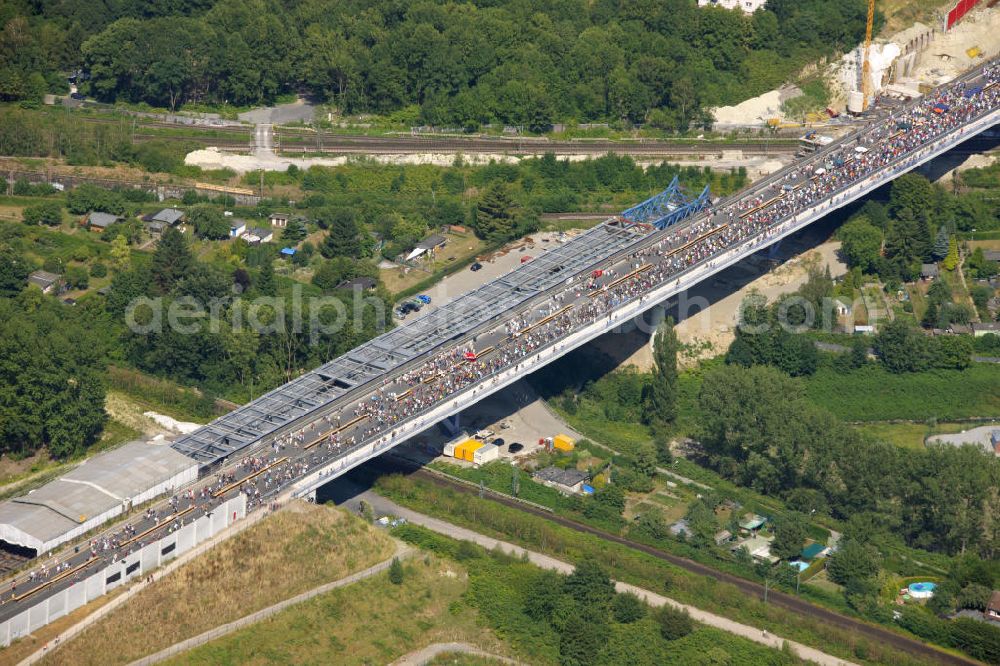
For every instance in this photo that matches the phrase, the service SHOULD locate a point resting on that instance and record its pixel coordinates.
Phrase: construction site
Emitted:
(883, 70)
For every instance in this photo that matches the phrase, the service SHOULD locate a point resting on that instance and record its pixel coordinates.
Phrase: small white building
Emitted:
(237, 228)
(485, 453)
(279, 220)
(748, 6)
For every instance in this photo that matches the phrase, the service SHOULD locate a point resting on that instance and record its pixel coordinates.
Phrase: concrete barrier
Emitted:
(132, 566)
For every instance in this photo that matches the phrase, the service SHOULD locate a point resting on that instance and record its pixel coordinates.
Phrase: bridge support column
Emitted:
(654, 318)
(773, 250)
(452, 425)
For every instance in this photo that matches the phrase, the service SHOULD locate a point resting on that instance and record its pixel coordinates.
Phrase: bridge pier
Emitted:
(773, 250)
(655, 317)
(452, 425)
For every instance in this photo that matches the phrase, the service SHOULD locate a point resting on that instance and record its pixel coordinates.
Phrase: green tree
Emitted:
(77, 277)
(860, 243)
(627, 608)
(789, 536)
(14, 270)
(582, 637)
(342, 241)
(950, 262)
(121, 255)
(495, 216)
(661, 397)
(172, 260)
(47, 212)
(294, 232)
(396, 572)
(908, 239)
(266, 283)
(855, 566)
(674, 623)
(911, 192)
(209, 222)
(941, 243)
(900, 348)
(542, 595)
(590, 585)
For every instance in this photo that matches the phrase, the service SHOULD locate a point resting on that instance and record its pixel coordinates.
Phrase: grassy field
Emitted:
(286, 554)
(371, 622)
(873, 394)
(911, 435)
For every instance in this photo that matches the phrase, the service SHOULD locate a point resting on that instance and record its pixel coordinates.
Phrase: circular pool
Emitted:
(921, 590)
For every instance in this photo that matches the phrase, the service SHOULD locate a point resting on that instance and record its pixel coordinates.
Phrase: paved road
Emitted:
(384, 506)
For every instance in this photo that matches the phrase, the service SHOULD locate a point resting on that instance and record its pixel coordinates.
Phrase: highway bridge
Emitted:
(331, 419)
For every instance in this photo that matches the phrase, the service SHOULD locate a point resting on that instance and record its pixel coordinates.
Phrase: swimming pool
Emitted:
(921, 590)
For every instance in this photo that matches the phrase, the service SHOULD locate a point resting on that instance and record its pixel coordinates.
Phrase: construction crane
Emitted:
(866, 66)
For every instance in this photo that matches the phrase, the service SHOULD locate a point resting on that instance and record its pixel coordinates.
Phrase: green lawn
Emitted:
(873, 394)
(911, 435)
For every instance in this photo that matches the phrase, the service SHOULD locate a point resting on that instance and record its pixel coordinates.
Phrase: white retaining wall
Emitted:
(135, 565)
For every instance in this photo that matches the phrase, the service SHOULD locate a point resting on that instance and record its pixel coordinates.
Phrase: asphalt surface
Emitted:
(315, 446)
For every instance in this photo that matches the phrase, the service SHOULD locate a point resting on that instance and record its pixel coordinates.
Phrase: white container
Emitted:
(485, 454)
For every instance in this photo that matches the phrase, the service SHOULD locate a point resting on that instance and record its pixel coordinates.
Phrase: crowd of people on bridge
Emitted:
(901, 135)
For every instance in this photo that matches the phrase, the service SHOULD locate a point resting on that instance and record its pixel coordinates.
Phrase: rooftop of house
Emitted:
(431, 242)
(102, 220)
(169, 216)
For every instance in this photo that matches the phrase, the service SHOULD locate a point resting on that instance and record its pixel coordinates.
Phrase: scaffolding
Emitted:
(668, 207)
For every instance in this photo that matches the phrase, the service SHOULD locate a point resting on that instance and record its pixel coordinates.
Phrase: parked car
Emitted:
(77, 95)
(515, 447)
(424, 298)
(406, 308)
(476, 266)
(498, 441)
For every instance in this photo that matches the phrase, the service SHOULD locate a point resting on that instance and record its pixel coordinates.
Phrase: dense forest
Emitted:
(459, 64)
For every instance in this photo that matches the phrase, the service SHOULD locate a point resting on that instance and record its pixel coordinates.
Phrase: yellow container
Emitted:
(563, 442)
(460, 448)
(469, 448)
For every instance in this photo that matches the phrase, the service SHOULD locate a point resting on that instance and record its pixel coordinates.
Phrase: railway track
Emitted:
(747, 587)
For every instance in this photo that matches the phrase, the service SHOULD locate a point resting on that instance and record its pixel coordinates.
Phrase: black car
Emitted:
(77, 95)
(406, 308)
(476, 266)
(498, 441)
(515, 447)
